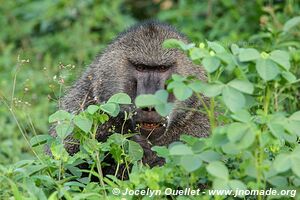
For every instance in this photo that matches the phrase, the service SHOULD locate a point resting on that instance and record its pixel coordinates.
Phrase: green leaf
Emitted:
(174, 43)
(182, 92)
(242, 85)
(242, 116)
(110, 108)
(180, 149)
(177, 77)
(241, 134)
(196, 86)
(295, 161)
(291, 78)
(162, 95)
(282, 162)
(92, 109)
(135, 151)
(146, 100)
(164, 109)
(218, 170)
(196, 54)
(60, 115)
(39, 139)
(83, 123)
(282, 58)
(276, 129)
(237, 185)
(267, 69)
(209, 156)
(278, 181)
(120, 98)
(235, 49)
(291, 24)
(216, 47)
(161, 151)
(190, 163)
(248, 54)
(212, 89)
(220, 184)
(295, 116)
(233, 99)
(211, 63)
(63, 130)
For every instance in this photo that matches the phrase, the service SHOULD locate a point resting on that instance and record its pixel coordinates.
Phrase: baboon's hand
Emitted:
(149, 157)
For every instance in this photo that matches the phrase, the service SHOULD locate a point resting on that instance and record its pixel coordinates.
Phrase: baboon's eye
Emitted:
(163, 68)
(141, 68)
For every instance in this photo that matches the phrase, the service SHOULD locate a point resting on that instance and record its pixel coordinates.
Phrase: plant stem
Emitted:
(100, 172)
(212, 114)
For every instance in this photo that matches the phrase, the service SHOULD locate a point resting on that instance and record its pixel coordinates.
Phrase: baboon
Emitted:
(136, 63)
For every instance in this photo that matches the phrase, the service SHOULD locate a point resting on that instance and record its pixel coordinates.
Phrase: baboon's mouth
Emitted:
(151, 126)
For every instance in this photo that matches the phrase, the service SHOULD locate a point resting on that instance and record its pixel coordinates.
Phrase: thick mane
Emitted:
(150, 25)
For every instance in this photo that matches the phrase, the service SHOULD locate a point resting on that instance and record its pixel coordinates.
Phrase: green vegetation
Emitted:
(253, 85)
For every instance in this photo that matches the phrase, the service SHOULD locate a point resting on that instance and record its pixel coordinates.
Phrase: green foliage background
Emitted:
(48, 43)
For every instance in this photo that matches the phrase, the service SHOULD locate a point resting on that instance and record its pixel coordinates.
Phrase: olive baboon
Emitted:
(136, 63)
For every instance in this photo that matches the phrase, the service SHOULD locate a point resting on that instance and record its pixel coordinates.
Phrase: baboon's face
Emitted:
(148, 66)
(150, 79)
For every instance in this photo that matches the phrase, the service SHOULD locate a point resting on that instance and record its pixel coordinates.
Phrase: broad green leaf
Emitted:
(209, 156)
(295, 161)
(145, 100)
(110, 108)
(190, 163)
(161, 151)
(216, 47)
(241, 134)
(180, 149)
(235, 49)
(196, 86)
(278, 181)
(267, 69)
(211, 63)
(282, 162)
(39, 139)
(164, 109)
(291, 78)
(174, 43)
(83, 123)
(293, 123)
(177, 77)
(212, 89)
(233, 99)
(162, 95)
(241, 116)
(182, 92)
(120, 98)
(276, 129)
(218, 170)
(196, 53)
(60, 115)
(92, 109)
(220, 184)
(242, 85)
(63, 130)
(248, 54)
(295, 116)
(135, 151)
(282, 58)
(291, 24)
(237, 185)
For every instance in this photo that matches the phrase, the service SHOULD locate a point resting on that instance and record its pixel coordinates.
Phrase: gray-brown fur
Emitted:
(110, 73)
